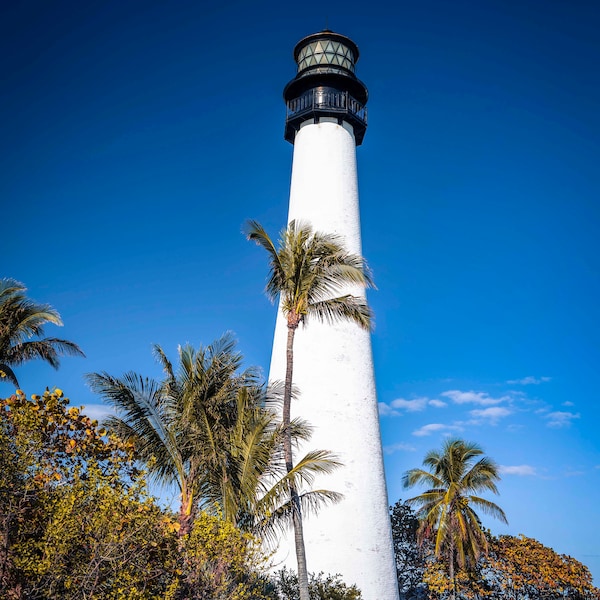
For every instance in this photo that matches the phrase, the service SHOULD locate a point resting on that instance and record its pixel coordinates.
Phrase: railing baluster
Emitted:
(337, 102)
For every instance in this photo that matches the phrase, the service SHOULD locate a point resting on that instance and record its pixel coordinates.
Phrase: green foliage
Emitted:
(212, 430)
(446, 510)
(321, 587)
(514, 568)
(307, 269)
(219, 562)
(21, 322)
(181, 426)
(410, 555)
(66, 489)
(76, 520)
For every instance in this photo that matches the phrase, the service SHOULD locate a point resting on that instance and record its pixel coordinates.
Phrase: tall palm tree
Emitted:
(206, 429)
(21, 319)
(308, 271)
(447, 509)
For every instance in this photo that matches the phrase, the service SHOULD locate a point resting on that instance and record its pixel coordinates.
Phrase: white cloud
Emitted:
(437, 403)
(396, 407)
(568, 403)
(517, 470)
(415, 405)
(400, 447)
(529, 380)
(482, 398)
(491, 414)
(561, 418)
(429, 429)
(385, 410)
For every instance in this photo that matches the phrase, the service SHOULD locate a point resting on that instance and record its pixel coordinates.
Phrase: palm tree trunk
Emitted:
(289, 463)
(451, 573)
(185, 517)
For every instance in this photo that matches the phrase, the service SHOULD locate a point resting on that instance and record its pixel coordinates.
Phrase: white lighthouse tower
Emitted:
(333, 367)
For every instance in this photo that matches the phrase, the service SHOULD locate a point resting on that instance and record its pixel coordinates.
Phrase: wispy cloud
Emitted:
(438, 403)
(481, 398)
(396, 407)
(521, 470)
(433, 427)
(529, 380)
(400, 447)
(561, 418)
(415, 405)
(385, 410)
(492, 414)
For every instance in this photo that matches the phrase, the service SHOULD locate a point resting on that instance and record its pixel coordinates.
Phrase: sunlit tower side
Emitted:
(326, 119)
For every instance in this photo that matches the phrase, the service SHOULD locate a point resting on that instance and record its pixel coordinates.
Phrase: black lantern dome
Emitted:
(325, 85)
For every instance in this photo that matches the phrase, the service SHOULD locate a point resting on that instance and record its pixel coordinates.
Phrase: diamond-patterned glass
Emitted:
(325, 52)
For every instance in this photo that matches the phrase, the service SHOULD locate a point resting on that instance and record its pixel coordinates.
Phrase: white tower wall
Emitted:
(333, 372)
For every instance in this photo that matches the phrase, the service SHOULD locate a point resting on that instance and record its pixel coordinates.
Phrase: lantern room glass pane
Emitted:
(325, 52)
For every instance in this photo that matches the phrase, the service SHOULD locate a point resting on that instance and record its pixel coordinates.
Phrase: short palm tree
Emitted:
(21, 321)
(207, 429)
(446, 510)
(255, 492)
(308, 272)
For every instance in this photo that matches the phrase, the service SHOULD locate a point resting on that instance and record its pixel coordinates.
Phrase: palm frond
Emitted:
(281, 519)
(420, 477)
(344, 308)
(276, 280)
(141, 418)
(10, 287)
(489, 508)
(8, 374)
(447, 508)
(22, 319)
(48, 349)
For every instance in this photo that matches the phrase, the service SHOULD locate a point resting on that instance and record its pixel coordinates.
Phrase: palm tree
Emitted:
(21, 319)
(307, 272)
(208, 430)
(255, 492)
(446, 510)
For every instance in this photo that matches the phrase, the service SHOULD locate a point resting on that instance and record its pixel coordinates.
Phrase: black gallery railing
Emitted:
(333, 102)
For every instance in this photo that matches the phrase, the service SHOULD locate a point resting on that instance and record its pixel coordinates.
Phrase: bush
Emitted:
(321, 587)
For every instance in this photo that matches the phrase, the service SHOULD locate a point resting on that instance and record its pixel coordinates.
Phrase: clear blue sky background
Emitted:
(138, 136)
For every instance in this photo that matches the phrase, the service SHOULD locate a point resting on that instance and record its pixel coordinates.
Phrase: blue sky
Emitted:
(138, 137)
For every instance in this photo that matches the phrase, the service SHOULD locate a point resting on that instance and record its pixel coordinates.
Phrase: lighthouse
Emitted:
(326, 119)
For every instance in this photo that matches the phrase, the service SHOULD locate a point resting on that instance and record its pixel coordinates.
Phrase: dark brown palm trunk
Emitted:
(185, 517)
(289, 462)
(451, 572)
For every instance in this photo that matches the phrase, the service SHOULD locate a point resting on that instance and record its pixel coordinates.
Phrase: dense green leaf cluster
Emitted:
(320, 587)
(76, 520)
